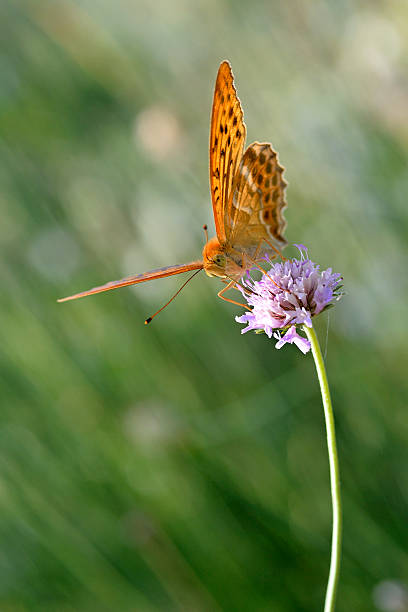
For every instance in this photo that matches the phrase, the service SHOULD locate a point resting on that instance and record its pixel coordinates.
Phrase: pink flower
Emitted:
(289, 294)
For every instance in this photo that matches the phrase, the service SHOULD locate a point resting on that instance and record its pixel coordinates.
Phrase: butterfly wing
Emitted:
(138, 278)
(227, 139)
(255, 207)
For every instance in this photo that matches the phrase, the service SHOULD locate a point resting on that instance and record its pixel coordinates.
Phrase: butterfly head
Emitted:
(217, 262)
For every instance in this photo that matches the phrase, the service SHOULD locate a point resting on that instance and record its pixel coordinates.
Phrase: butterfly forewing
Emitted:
(255, 207)
(138, 278)
(227, 139)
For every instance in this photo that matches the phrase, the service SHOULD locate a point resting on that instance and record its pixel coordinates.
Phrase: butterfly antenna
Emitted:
(150, 319)
(205, 228)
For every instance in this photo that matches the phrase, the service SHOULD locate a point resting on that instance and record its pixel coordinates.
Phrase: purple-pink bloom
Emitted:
(289, 294)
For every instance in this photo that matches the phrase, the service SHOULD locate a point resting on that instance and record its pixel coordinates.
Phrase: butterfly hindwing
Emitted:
(256, 203)
(227, 139)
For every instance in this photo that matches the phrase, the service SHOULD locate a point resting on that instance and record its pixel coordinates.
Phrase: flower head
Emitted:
(289, 294)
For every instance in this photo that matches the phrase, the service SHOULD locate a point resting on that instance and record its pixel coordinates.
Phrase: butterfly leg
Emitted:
(230, 285)
(272, 247)
(256, 265)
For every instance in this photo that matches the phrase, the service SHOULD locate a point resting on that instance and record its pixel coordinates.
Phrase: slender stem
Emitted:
(334, 471)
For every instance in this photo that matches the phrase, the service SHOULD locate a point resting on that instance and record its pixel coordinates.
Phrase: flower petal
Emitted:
(292, 337)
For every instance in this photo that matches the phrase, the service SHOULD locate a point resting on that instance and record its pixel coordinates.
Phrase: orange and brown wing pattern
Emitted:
(137, 278)
(256, 204)
(227, 139)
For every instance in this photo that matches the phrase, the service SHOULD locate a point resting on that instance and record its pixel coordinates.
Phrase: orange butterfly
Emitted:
(248, 198)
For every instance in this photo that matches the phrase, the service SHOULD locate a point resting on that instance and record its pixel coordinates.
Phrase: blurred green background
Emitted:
(182, 466)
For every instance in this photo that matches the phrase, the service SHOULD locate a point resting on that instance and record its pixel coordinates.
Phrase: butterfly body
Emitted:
(248, 198)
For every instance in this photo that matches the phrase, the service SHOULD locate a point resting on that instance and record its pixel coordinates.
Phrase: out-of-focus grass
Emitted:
(183, 466)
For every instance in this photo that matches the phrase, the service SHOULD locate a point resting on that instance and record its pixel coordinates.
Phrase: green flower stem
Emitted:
(334, 471)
